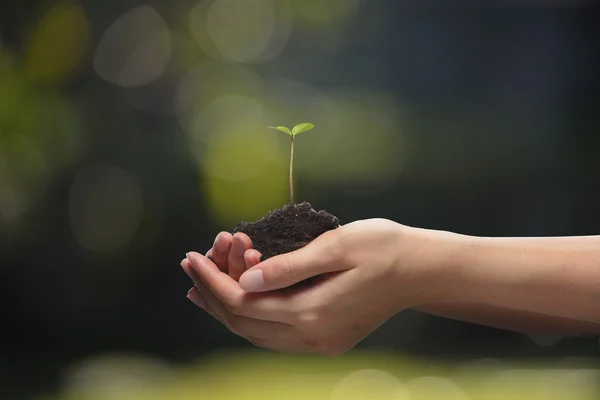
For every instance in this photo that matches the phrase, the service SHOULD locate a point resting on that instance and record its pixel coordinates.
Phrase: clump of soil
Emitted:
(288, 229)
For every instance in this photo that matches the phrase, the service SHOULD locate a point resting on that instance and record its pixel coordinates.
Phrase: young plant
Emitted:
(298, 129)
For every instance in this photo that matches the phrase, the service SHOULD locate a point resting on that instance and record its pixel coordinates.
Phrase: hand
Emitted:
(438, 272)
(363, 285)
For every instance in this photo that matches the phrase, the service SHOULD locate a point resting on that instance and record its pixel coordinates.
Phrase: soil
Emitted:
(288, 229)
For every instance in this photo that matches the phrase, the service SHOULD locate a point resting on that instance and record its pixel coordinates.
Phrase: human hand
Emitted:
(364, 284)
(438, 272)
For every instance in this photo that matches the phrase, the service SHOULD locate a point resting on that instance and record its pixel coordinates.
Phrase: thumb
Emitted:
(288, 269)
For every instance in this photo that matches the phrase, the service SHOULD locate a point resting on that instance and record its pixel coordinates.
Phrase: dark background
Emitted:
(481, 120)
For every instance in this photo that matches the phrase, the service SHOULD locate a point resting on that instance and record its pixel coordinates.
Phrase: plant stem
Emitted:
(291, 173)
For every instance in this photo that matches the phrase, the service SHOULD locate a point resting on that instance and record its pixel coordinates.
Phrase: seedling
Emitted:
(298, 129)
(294, 225)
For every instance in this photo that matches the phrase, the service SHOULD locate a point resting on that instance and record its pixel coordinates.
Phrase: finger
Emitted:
(224, 287)
(251, 258)
(195, 297)
(288, 269)
(221, 249)
(237, 265)
(277, 306)
(285, 342)
(267, 331)
(209, 253)
(189, 270)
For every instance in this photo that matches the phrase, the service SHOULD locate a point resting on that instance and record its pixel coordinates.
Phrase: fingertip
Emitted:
(195, 297)
(220, 250)
(244, 239)
(252, 257)
(199, 262)
(192, 290)
(223, 242)
(241, 242)
(191, 256)
(186, 265)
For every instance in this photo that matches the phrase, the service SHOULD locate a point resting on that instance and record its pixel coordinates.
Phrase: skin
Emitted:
(370, 270)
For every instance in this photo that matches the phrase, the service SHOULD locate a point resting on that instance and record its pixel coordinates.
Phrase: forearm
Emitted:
(550, 276)
(510, 319)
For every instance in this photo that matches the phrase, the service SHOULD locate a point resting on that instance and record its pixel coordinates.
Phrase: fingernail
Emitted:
(196, 298)
(252, 281)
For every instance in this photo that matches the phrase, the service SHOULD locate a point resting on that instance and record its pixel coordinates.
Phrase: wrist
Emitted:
(429, 262)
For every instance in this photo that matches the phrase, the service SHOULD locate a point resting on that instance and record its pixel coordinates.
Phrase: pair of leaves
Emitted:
(306, 126)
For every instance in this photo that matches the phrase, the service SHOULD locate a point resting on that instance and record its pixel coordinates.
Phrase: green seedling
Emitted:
(306, 126)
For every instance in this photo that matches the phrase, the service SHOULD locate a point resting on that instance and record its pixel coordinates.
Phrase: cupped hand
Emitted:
(363, 284)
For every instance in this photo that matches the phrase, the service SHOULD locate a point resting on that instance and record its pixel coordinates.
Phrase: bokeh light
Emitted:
(160, 96)
(434, 387)
(115, 376)
(40, 134)
(370, 384)
(58, 44)
(516, 383)
(259, 375)
(106, 207)
(327, 12)
(135, 49)
(254, 22)
(227, 119)
(22, 170)
(210, 80)
(244, 175)
(575, 384)
(241, 31)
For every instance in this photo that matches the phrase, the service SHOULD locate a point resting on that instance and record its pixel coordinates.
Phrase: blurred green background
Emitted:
(133, 131)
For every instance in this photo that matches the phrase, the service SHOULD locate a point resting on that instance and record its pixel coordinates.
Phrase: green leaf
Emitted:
(282, 129)
(306, 126)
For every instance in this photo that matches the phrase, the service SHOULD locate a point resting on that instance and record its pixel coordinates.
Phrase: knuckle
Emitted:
(334, 247)
(234, 306)
(287, 270)
(309, 320)
(234, 310)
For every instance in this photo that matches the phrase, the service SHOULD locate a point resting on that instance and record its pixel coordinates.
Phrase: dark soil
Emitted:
(288, 229)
